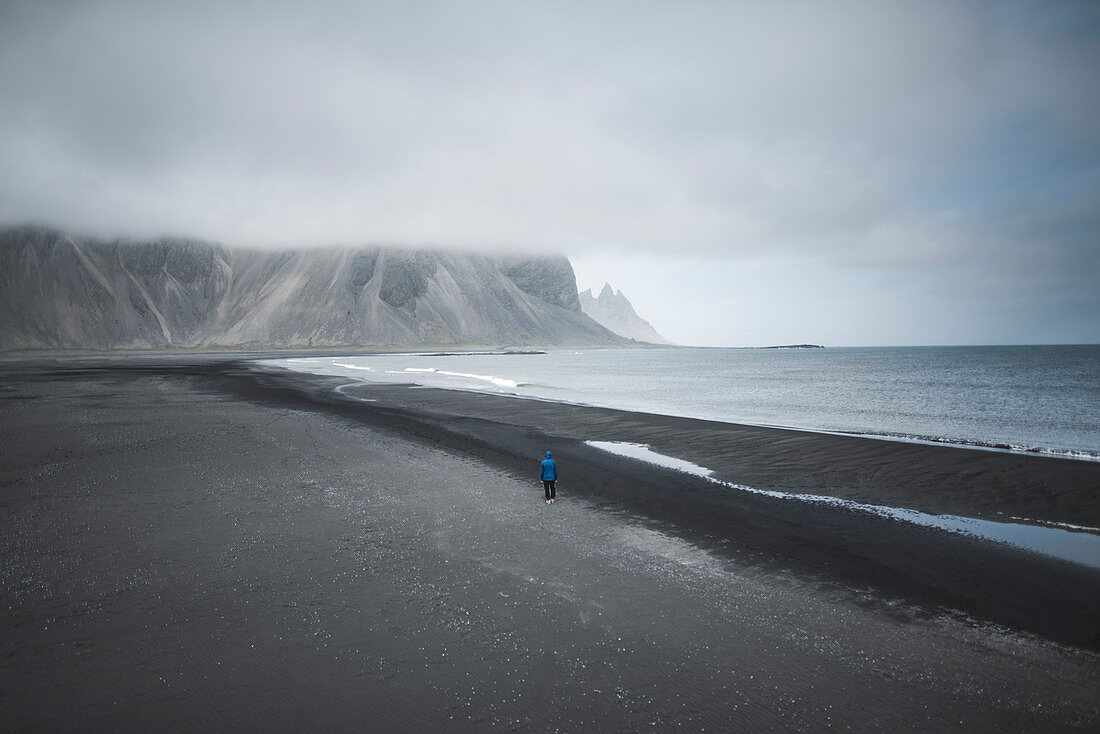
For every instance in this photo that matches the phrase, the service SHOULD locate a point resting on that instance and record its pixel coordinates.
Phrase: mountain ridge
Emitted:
(59, 291)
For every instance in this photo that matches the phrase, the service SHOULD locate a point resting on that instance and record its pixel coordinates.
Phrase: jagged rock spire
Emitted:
(612, 310)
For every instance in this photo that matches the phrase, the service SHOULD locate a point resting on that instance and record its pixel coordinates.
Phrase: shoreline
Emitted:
(1051, 453)
(1073, 446)
(836, 464)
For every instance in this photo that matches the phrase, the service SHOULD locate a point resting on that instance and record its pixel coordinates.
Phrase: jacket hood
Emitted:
(547, 454)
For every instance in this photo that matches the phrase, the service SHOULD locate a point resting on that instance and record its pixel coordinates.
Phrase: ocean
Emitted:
(1043, 399)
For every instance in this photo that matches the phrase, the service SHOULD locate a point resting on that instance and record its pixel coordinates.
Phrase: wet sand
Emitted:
(199, 544)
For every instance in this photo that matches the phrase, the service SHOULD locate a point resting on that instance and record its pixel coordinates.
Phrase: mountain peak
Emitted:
(613, 311)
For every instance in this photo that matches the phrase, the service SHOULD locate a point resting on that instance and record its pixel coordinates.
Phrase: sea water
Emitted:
(1018, 398)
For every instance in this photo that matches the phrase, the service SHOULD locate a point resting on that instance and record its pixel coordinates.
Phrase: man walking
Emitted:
(548, 471)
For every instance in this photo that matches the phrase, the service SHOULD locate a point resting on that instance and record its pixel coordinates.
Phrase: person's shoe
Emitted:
(547, 501)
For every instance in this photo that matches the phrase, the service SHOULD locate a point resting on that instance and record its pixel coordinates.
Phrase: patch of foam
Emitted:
(644, 453)
(498, 381)
(1069, 545)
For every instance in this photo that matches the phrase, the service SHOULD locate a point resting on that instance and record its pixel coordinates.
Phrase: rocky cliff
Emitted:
(63, 292)
(612, 310)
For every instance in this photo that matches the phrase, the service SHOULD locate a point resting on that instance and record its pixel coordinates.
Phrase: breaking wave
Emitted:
(498, 381)
(351, 366)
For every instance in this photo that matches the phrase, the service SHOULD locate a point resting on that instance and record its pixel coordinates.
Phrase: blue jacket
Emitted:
(549, 469)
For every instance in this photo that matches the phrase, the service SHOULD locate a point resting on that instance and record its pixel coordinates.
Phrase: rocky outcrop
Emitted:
(63, 292)
(612, 310)
(548, 279)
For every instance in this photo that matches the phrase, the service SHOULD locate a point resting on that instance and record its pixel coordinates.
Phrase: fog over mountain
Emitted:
(613, 310)
(64, 292)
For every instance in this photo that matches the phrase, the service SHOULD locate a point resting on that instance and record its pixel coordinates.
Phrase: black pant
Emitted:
(548, 485)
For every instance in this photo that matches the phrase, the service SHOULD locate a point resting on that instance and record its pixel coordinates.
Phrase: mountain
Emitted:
(613, 310)
(64, 292)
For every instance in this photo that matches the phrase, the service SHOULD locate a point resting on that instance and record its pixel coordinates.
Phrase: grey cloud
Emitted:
(799, 128)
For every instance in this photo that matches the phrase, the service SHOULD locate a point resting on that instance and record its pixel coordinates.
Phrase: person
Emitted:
(548, 471)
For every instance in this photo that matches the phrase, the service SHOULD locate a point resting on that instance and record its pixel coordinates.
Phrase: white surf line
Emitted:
(498, 381)
(1055, 524)
(956, 443)
(347, 366)
(340, 389)
(1077, 547)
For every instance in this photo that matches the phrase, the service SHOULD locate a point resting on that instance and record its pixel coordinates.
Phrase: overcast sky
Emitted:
(748, 173)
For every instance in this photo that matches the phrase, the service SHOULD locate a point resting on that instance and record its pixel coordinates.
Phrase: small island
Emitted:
(796, 346)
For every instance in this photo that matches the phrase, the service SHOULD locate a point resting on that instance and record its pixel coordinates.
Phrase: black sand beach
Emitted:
(199, 543)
